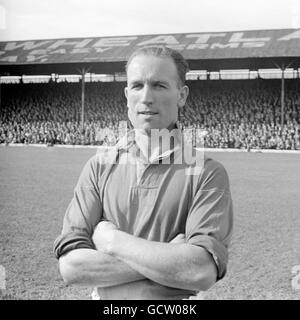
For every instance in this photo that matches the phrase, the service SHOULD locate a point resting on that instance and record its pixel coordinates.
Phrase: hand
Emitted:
(103, 235)
(179, 239)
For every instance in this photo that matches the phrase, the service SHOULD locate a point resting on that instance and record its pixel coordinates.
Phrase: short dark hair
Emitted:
(163, 52)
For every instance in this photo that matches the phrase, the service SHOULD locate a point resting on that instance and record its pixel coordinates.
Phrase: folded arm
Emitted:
(88, 267)
(179, 265)
(79, 262)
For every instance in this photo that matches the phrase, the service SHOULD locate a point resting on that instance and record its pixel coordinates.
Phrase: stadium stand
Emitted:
(236, 114)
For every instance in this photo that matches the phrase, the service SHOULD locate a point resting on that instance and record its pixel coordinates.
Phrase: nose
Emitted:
(147, 95)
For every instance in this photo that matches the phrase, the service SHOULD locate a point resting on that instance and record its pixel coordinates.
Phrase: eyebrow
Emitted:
(153, 82)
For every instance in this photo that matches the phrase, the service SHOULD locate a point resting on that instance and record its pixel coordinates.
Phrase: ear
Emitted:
(126, 94)
(183, 94)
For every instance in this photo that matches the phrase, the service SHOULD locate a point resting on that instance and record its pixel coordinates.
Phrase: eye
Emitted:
(136, 86)
(159, 85)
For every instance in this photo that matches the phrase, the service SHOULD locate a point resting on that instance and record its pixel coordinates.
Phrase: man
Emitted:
(148, 225)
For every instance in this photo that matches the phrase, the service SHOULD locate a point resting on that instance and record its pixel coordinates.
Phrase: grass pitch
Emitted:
(36, 185)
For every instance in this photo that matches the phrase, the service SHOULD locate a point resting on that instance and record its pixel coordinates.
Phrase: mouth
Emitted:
(148, 113)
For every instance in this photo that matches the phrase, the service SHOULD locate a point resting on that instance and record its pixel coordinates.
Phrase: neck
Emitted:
(151, 148)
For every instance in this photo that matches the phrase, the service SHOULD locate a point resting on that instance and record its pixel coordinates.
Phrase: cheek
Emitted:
(131, 108)
(170, 106)
(132, 101)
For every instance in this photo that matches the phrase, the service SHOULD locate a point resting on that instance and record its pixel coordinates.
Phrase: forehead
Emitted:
(152, 67)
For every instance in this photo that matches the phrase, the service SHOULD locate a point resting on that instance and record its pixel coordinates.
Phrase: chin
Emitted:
(148, 126)
(147, 129)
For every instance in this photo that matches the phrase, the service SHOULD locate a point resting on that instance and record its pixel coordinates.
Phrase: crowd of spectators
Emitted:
(233, 114)
(245, 114)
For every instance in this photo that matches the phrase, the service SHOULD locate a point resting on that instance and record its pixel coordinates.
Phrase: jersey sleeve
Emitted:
(210, 219)
(83, 212)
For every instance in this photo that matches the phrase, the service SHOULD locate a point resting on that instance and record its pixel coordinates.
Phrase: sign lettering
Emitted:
(238, 37)
(114, 42)
(167, 40)
(222, 44)
(28, 45)
(293, 35)
(203, 38)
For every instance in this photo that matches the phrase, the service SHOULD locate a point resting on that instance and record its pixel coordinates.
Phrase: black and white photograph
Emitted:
(149, 150)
